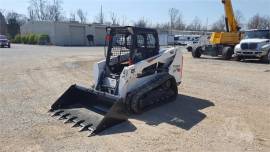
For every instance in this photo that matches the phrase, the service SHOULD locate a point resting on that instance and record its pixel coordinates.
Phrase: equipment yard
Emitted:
(221, 106)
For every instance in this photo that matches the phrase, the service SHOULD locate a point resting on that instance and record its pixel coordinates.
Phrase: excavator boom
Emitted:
(231, 23)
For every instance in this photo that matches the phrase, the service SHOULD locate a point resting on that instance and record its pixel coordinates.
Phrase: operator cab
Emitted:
(257, 34)
(128, 45)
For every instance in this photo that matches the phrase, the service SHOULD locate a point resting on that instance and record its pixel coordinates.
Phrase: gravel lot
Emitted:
(222, 105)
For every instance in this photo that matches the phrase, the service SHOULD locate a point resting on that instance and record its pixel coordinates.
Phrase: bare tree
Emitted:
(82, 15)
(37, 10)
(2, 11)
(239, 17)
(205, 26)
(219, 25)
(141, 23)
(195, 25)
(259, 22)
(14, 21)
(34, 9)
(42, 10)
(3, 24)
(20, 18)
(267, 22)
(72, 17)
(114, 19)
(54, 10)
(100, 17)
(124, 21)
(179, 23)
(173, 13)
(163, 26)
(31, 14)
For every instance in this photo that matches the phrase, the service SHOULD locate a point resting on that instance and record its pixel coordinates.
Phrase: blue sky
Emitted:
(155, 11)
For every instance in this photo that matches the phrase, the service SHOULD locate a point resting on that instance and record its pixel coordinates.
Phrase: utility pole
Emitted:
(101, 15)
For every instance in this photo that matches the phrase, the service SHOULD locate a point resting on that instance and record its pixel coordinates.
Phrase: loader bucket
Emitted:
(89, 109)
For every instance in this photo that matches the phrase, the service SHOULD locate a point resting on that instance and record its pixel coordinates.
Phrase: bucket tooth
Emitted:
(50, 110)
(91, 134)
(77, 124)
(57, 112)
(84, 128)
(91, 129)
(62, 116)
(70, 119)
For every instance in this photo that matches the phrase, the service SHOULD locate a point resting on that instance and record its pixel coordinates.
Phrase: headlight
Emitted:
(237, 48)
(265, 47)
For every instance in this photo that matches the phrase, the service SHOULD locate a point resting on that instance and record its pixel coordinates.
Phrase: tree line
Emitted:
(52, 10)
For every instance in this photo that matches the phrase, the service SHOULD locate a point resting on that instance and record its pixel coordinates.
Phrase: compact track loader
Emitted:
(135, 76)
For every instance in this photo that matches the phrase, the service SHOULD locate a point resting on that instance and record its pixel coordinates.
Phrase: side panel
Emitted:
(228, 38)
(171, 58)
(98, 68)
(176, 68)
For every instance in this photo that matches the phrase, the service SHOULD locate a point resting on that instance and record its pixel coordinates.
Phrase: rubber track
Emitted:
(146, 88)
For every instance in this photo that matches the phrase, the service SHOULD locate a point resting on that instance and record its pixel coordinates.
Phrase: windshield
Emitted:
(257, 34)
(120, 43)
(3, 37)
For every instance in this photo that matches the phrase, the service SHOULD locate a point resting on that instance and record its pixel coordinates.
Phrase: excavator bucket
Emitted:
(88, 109)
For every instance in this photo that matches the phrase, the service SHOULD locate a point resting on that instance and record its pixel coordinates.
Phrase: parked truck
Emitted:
(256, 44)
(222, 43)
(186, 40)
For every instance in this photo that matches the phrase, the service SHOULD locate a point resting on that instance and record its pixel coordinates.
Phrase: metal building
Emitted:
(165, 38)
(67, 33)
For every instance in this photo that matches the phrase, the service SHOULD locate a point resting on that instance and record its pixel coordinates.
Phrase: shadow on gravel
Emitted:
(183, 113)
(121, 128)
(253, 61)
(212, 58)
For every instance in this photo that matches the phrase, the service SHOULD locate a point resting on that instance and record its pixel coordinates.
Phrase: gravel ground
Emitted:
(222, 105)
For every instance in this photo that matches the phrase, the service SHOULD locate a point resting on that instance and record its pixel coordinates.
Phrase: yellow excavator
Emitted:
(222, 43)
